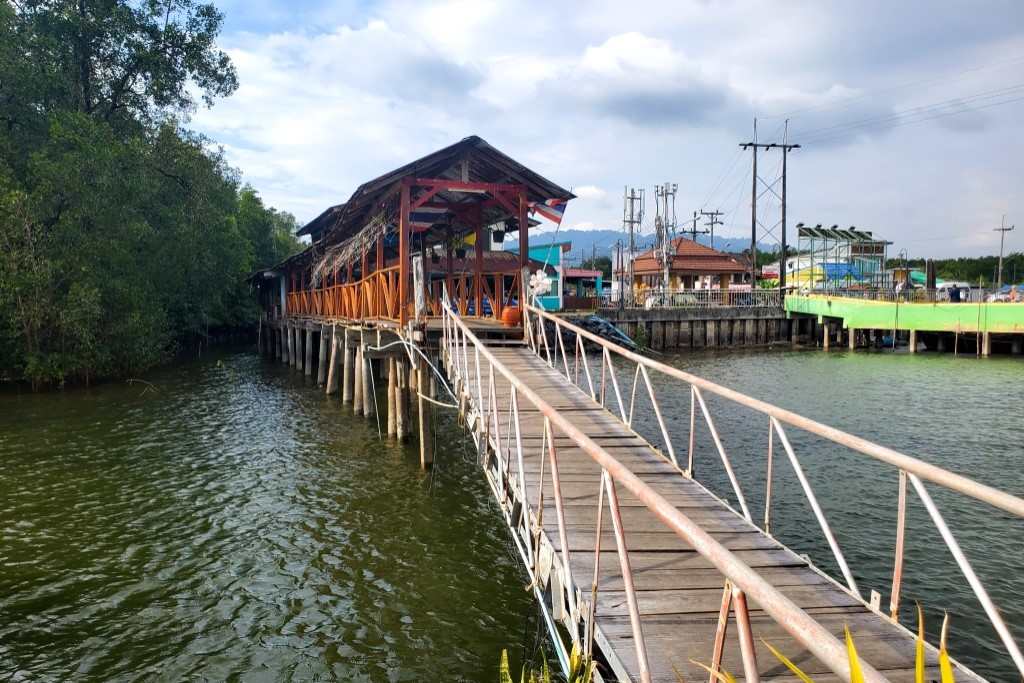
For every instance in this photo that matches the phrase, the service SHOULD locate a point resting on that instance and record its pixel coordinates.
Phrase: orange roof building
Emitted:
(692, 264)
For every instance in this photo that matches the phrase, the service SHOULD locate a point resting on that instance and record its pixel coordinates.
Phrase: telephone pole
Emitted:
(632, 219)
(1002, 230)
(753, 145)
(713, 220)
(693, 229)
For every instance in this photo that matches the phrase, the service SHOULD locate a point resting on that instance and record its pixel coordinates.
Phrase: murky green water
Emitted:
(231, 523)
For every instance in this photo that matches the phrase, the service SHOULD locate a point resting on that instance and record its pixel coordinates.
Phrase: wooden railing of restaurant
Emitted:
(376, 296)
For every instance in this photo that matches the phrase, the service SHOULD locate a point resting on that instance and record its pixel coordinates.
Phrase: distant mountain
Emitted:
(601, 242)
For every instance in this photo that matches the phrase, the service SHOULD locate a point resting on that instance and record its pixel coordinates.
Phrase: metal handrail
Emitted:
(908, 466)
(818, 640)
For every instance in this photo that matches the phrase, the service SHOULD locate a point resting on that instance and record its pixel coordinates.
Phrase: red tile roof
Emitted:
(581, 272)
(689, 257)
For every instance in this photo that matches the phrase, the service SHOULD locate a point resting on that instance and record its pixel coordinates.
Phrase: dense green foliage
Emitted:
(972, 269)
(122, 235)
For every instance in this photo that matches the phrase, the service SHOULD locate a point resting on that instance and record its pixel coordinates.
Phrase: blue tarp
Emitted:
(841, 271)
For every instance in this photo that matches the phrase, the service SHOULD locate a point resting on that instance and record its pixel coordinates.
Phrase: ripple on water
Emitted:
(236, 523)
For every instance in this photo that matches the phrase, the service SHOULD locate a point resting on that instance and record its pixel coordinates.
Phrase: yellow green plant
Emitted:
(856, 674)
(581, 669)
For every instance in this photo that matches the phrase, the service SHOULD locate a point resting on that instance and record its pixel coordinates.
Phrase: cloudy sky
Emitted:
(909, 113)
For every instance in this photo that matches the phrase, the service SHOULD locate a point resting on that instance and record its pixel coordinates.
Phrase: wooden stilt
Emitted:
(853, 338)
(913, 341)
(368, 384)
(332, 364)
(321, 367)
(357, 381)
(400, 401)
(291, 346)
(826, 330)
(392, 393)
(426, 422)
(307, 364)
(346, 377)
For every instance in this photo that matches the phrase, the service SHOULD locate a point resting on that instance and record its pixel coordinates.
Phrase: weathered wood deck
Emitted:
(679, 592)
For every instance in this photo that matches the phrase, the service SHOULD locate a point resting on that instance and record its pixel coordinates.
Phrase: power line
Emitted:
(911, 112)
(843, 103)
(940, 115)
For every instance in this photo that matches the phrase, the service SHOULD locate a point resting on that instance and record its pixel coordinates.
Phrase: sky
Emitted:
(908, 114)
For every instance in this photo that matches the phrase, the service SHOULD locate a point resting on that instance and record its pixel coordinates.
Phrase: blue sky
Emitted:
(908, 112)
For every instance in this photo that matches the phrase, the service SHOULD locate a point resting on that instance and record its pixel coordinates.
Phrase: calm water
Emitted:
(229, 522)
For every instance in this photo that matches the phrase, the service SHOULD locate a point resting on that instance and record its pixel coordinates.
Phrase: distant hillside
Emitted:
(602, 242)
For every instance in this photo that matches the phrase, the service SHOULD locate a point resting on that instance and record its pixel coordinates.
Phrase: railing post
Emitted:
(812, 499)
(968, 571)
(768, 479)
(897, 570)
(627, 580)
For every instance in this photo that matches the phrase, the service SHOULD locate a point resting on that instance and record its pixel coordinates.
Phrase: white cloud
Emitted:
(601, 96)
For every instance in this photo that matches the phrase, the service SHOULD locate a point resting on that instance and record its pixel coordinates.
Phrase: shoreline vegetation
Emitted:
(125, 238)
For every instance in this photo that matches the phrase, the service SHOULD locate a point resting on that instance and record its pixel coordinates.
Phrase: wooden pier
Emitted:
(589, 502)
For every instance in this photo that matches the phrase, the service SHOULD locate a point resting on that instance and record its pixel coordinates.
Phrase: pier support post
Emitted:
(913, 341)
(368, 395)
(332, 364)
(321, 366)
(852, 334)
(392, 403)
(1017, 345)
(749, 336)
(826, 330)
(307, 365)
(346, 375)
(426, 422)
(712, 333)
(986, 343)
(401, 402)
(292, 351)
(357, 381)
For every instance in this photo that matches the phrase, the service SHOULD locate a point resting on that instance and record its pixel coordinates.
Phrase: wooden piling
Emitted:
(366, 369)
(392, 391)
(332, 365)
(852, 333)
(401, 417)
(913, 341)
(357, 381)
(347, 389)
(321, 366)
(307, 362)
(426, 422)
(986, 343)
(825, 334)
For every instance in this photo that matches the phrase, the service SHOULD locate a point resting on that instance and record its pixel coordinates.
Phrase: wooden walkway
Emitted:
(679, 592)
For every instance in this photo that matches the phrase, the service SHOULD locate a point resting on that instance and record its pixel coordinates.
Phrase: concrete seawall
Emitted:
(696, 328)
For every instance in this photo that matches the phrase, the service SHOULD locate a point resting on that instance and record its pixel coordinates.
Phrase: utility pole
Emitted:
(632, 219)
(1002, 230)
(753, 145)
(693, 229)
(713, 220)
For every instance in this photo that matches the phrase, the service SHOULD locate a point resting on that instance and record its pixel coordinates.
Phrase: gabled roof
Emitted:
(321, 222)
(482, 163)
(690, 257)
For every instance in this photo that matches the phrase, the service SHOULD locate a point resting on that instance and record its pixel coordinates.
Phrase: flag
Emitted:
(552, 209)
